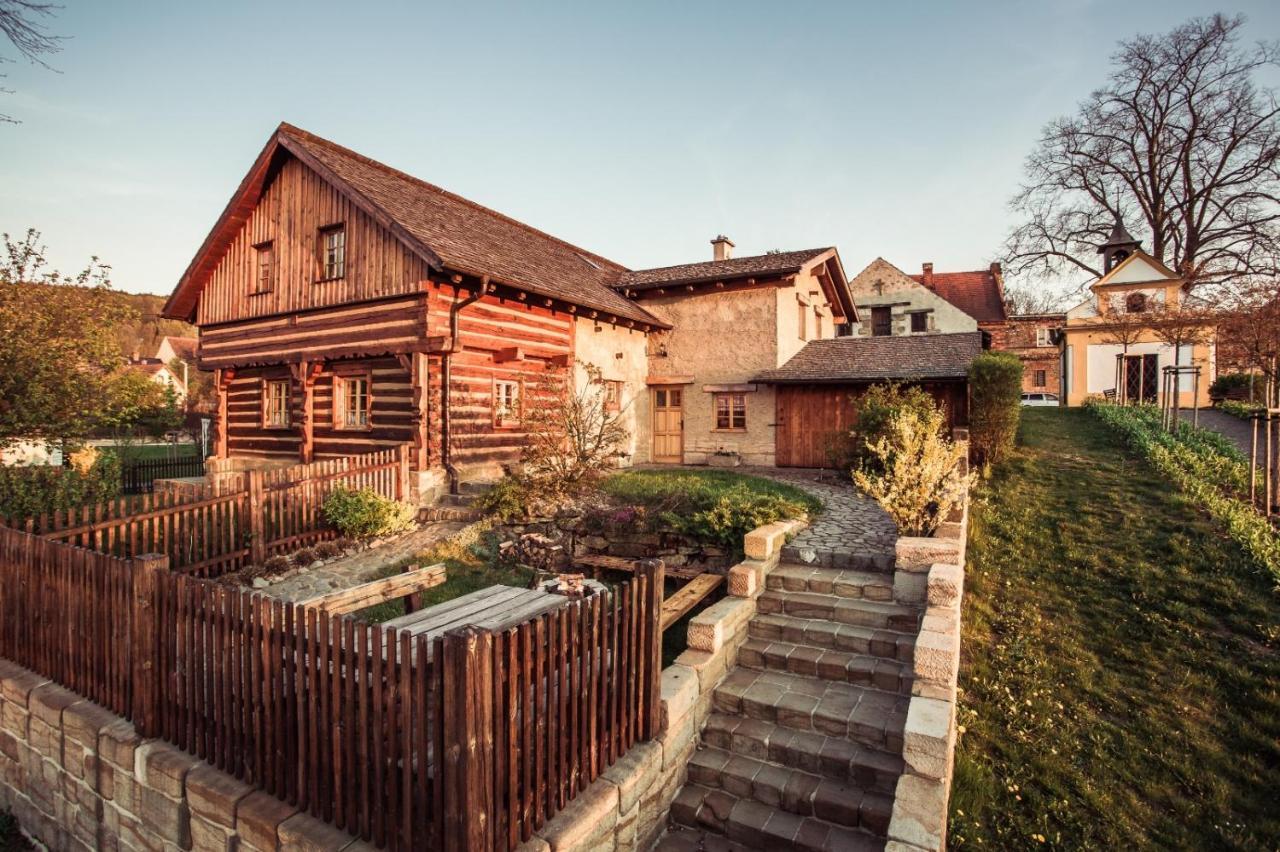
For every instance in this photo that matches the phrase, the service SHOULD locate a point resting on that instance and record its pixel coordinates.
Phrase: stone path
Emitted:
(803, 749)
(851, 532)
(1239, 431)
(361, 567)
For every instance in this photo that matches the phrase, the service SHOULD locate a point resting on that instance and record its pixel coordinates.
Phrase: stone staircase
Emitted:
(803, 749)
(456, 507)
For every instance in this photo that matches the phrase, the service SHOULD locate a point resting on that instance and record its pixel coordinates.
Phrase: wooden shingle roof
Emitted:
(447, 230)
(760, 266)
(862, 359)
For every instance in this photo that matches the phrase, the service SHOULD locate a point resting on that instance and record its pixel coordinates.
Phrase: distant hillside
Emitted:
(143, 335)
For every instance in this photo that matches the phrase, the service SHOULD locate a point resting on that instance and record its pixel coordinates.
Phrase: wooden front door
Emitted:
(668, 425)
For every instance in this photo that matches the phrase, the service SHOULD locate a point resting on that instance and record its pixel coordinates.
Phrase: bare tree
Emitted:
(1249, 333)
(1021, 301)
(23, 23)
(1180, 139)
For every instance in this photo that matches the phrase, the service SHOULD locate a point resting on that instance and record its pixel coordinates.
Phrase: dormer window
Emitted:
(333, 252)
(264, 267)
(1135, 303)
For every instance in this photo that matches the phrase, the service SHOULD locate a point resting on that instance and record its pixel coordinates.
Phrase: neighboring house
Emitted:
(890, 302)
(171, 347)
(1034, 339)
(1134, 288)
(160, 373)
(347, 307)
(729, 319)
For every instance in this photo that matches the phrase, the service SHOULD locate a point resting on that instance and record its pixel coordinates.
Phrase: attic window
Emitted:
(333, 252)
(264, 267)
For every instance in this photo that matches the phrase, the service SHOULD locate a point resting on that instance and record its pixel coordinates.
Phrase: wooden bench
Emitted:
(687, 597)
(379, 591)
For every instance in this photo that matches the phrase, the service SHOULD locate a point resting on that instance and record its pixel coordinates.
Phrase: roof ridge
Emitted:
(308, 136)
(809, 252)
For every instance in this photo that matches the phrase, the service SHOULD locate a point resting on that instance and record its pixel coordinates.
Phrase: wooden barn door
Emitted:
(808, 418)
(668, 425)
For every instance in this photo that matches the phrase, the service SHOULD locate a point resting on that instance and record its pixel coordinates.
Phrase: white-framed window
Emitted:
(333, 252)
(1042, 336)
(275, 404)
(352, 402)
(731, 412)
(506, 403)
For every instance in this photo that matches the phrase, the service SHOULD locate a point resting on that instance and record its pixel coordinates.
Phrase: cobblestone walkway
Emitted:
(360, 567)
(851, 532)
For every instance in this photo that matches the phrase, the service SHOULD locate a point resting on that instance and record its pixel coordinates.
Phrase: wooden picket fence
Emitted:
(470, 740)
(224, 525)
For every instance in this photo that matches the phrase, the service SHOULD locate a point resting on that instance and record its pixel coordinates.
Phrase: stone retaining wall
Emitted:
(626, 808)
(78, 777)
(930, 571)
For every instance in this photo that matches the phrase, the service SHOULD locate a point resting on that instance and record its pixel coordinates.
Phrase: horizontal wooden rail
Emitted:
(378, 591)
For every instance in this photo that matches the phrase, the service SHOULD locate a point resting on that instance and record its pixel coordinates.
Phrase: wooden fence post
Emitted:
(402, 472)
(144, 639)
(257, 523)
(654, 572)
(467, 773)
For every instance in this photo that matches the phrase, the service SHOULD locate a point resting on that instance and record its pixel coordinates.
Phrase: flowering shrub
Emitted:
(1205, 466)
(917, 477)
(365, 513)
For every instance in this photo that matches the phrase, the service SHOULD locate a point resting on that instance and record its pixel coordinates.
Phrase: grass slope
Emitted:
(1121, 661)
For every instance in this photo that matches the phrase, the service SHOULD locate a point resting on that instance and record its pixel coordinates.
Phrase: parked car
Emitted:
(1040, 399)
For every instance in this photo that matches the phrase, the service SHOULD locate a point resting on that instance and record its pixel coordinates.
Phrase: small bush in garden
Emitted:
(995, 405)
(365, 513)
(343, 543)
(276, 564)
(735, 513)
(327, 550)
(506, 500)
(874, 410)
(1243, 410)
(304, 557)
(917, 478)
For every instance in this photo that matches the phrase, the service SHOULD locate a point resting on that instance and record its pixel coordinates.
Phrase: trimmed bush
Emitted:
(276, 564)
(26, 492)
(365, 513)
(917, 476)
(304, 557)
(327, 550)
(995, 405)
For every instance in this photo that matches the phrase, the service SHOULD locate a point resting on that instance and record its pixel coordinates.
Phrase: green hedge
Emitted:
(1206, 467)
(995, 405)
(26, 492)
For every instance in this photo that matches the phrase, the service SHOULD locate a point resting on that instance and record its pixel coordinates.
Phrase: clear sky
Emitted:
(638, 131)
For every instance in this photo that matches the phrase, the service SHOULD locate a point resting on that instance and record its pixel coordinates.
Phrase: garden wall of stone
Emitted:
(930, 571)
(77, 777)
(626, 808)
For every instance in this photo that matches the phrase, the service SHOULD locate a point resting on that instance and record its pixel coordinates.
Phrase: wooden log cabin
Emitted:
(347, 307)
(337, 297)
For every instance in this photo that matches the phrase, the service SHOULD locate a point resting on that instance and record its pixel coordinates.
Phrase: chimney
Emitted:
(722, 248)
(927, 276)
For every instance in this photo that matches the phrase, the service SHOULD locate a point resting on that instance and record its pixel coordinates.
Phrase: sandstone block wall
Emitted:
(78, 777)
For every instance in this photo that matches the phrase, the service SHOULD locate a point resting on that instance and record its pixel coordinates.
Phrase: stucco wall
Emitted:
(620, 354)
(721, 338)
(882, 283)
(1092, 364)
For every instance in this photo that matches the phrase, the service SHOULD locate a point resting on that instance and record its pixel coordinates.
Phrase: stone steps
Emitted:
(683, 839)
(429, 514)
(815, 554)
(868, 585)
(794, 790)
(879, 614)
(852, 638)
(827, 664)
(761, 826)
(817, 753)
(861, 714)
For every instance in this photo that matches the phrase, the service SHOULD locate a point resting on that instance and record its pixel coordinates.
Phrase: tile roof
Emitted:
(760, 265)
(183, 347)
(475, 239)
(976, 293)
(856, 359)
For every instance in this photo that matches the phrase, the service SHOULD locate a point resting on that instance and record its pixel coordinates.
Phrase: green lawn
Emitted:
(685, 488)
(1120, 679)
